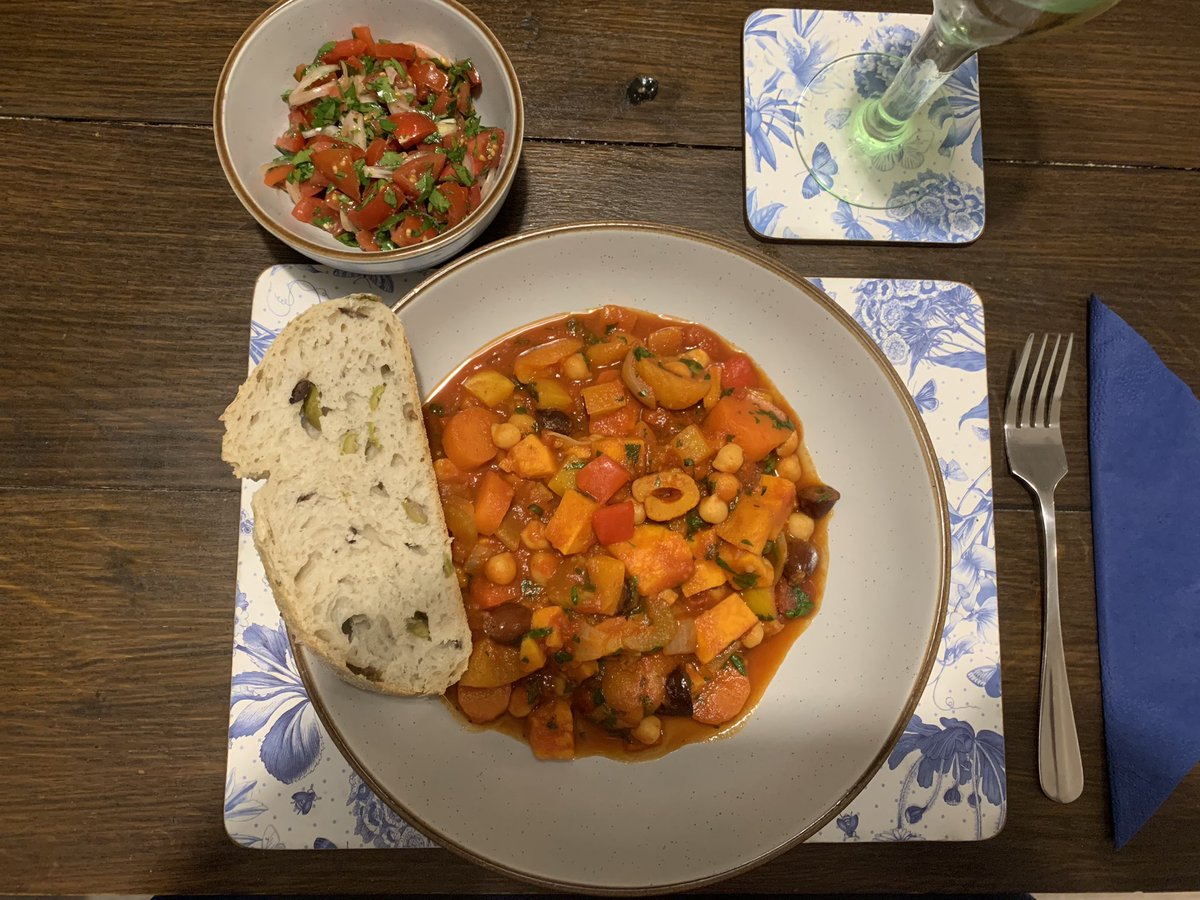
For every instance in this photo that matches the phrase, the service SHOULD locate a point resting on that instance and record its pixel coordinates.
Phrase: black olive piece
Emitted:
(553, 420)
(802, 560)
(642, 89)
(816, 500)
(678, 701)
(300, 391)
(508, 623)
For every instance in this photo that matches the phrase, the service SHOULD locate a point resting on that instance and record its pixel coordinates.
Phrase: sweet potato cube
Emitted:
(490, 387)
(552, 730)
(748, 417)
(720, 626)
(533, 657)
(570, 528)
(657, 557)
(629, 452)
(704, 543)
(491, 665)
(601, 399)
(689, 447)
(531, 458)
(550, 618)
(551, 395)
(760, 515)
(708, 575)
(608, 575)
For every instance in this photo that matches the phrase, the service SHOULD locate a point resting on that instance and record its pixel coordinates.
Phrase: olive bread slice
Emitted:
(348, 524)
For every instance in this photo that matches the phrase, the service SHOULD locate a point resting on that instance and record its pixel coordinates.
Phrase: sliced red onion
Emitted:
(303, 92)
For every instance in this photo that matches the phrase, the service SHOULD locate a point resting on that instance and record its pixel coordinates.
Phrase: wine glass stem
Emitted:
(931, 61)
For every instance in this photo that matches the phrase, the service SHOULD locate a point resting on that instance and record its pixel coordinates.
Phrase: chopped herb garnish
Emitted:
(694, 522)
(471, 126)
(575, 464)
(691, 364)
(533, 692)
(610, 327)
(641, 353)
(803, 604)
(770, 463)
(536, 510)
(689, 462)
(743, 581)
(726, 392)
(391, 160)
(325, 112)
(738, 663)
(574, 595)
(562, 657)
(633, 453)
(437, 202)
(325, 48)
(539, 633)
(529, 588)
(387, 125)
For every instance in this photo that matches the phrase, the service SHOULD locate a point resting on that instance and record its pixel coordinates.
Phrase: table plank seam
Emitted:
(647, 145)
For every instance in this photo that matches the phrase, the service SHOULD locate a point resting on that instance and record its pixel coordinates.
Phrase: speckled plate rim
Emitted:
(903, 397)
(495, 196)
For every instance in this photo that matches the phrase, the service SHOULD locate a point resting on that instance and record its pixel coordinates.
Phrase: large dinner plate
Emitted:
(849, 684)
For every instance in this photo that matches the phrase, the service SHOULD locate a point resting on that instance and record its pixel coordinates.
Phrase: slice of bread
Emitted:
(349, 525)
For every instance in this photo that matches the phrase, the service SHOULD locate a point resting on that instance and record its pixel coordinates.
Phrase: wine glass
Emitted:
(875, 137)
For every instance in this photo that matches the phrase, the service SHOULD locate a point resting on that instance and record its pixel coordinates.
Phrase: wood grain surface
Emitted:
(128, 270)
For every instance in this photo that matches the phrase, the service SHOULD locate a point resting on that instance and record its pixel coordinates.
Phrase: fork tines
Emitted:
(1042, 411)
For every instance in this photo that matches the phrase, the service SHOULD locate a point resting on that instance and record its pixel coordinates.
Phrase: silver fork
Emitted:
(1033, 438)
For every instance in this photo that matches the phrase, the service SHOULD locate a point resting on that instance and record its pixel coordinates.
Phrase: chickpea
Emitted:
(501, 568)
(788, 447)
(524, 423)
(639, 513)
(729, 458)
(714, 510)
(533, 536)
(789, 467)
(542, 566)
(726, 486)
(519, 705)
(505, 435)
(800, 526)
(753, 637)
(698, 355)
(649, 730)
(576, 367)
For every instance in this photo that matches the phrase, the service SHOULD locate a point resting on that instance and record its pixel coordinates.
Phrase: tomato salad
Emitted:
(637, 527)
(384, 147)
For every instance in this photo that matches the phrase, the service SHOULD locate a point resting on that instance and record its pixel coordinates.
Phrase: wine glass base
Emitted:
(845, 159)
(941, 201)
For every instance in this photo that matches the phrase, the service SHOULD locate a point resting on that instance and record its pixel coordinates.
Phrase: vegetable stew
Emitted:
(637, 527)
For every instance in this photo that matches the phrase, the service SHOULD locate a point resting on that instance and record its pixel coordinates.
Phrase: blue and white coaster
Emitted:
(288, 787)
(940, 202)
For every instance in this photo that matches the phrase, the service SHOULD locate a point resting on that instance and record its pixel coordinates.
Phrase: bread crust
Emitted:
(349, 525)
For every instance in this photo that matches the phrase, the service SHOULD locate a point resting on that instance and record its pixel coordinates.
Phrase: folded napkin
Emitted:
(1145, 461)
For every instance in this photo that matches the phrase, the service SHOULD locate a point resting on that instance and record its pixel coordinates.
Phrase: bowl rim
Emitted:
(311, 248)
(933, 472)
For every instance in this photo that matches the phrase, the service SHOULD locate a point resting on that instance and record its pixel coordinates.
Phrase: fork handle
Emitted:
(1060, 766)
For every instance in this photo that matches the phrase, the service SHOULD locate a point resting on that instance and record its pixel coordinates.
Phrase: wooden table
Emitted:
(128, 268)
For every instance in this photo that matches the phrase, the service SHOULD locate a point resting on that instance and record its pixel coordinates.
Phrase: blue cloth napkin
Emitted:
(1145, 459)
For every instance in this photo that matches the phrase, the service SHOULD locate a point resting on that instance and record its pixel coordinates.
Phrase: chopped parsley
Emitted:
(325, 112)
(633, 453)
(471, 128)
(802, 604)
(641, 353)
(437, 202)
(738, 663)
(694, 522)
(562, 657)
(770, 463)
(743, 581)
(529, 588)
(539, 633)
(691, 364)
(536, 510)
(392, 159)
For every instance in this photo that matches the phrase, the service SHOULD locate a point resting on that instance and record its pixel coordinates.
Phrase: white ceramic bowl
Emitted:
(248, 114)
(846, 689)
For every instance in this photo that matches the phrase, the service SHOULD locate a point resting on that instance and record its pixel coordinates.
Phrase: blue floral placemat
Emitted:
(287, 787)
(782, 50)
